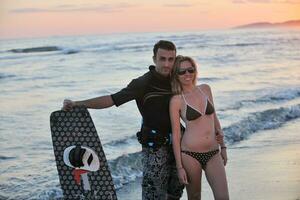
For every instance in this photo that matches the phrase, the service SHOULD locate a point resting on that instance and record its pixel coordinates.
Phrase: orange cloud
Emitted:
(74, 8)
(45, 18)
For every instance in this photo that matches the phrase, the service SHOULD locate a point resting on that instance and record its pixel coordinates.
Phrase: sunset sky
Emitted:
(38, 18)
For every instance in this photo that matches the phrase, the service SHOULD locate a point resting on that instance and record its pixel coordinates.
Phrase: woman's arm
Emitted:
(218, 128)
(218, 131)
(176, 136)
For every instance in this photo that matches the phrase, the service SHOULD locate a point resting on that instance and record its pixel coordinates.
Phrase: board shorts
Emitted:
(160, 174)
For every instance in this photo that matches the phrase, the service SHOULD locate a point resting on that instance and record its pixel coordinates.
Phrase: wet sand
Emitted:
(265, 166)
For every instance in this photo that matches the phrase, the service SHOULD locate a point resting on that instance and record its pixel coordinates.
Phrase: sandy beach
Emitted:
(266, 166)
(254, 76)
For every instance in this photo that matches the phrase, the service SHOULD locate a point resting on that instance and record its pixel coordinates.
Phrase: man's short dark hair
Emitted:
(164, 44)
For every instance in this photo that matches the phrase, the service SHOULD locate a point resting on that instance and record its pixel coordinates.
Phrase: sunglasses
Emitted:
(191, 70)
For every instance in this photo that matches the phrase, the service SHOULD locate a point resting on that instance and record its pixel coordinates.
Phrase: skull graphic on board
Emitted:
(83, 160)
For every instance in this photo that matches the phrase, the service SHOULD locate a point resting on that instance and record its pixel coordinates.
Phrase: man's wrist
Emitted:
(78, 103)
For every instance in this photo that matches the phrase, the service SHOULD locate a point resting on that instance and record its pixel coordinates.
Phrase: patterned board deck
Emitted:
(70, 128)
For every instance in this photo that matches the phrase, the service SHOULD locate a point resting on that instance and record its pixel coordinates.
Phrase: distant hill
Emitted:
(291, 23)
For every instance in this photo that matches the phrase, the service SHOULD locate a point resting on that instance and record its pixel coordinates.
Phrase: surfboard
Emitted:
(81, 162)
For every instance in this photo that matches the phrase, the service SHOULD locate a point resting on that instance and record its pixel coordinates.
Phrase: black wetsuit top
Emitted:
(152, 93)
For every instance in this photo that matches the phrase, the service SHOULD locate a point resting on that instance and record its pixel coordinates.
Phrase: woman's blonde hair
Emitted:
(175, 83)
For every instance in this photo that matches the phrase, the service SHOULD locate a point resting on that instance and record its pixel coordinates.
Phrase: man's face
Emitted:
(164, 61)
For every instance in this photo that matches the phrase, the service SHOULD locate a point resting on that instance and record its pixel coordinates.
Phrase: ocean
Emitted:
(254, 76)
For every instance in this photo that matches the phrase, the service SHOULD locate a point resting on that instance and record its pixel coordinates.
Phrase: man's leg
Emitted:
(155, 174)
(175, 188)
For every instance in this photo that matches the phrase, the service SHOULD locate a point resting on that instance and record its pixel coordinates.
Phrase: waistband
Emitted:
(153, 138)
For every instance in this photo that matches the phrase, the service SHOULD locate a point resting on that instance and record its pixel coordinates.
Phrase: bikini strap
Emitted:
(207, 99)
(204, 95)
(184, 98)
(202, 92)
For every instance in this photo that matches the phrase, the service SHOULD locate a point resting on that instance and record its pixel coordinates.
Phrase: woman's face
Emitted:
(186, 73)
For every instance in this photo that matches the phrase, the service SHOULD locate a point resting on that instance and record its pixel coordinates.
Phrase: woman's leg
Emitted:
(216, 177)
(193, 170)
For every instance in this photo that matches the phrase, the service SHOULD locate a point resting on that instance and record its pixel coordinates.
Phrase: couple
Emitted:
(166, 93)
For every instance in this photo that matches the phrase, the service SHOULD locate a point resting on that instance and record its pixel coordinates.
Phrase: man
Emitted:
(152, 92)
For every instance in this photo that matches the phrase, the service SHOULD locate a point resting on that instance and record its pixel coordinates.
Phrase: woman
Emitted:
(197, 149)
